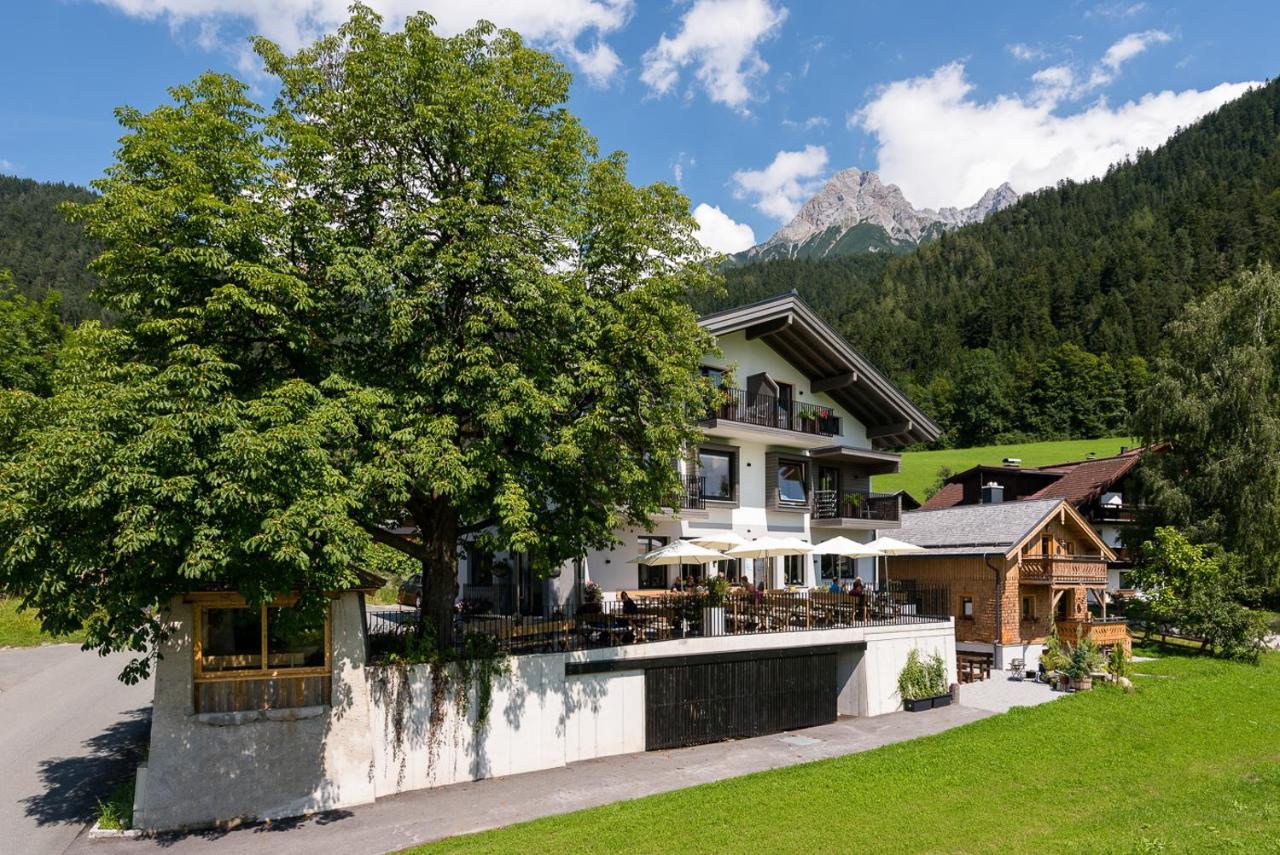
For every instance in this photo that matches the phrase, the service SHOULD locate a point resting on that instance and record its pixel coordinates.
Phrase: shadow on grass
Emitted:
(73, 785)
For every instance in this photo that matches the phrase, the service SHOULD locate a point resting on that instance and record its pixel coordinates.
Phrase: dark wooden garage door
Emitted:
(690, 704)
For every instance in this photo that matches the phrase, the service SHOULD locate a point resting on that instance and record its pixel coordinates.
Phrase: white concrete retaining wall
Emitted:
(377, 739)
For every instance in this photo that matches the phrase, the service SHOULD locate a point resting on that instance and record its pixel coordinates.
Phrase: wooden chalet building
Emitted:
(1013, 569)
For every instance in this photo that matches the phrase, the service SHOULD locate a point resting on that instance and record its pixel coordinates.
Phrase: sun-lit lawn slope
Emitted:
(1190, 763)
(920, 468)
(22, 628)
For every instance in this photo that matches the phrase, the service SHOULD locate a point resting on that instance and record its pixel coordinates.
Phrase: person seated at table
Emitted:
(856, 590)
(834, 587)
(629, 606)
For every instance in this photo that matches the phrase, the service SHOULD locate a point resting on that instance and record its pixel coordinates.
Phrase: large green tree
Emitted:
(409, 298)
(1215, 397)
(30, 334)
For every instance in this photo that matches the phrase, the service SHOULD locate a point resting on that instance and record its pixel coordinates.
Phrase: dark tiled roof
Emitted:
(1081, 482)
(975, 529)
(950, 495)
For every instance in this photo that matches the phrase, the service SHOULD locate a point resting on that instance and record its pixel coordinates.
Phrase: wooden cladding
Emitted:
(1064, 570)
(271, 693)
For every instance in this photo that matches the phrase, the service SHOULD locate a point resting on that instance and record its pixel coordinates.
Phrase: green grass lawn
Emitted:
(920, 468)
(1190, 763)
(22, 629)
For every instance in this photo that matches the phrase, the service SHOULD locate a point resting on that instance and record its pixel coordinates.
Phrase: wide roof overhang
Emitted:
(793, 329)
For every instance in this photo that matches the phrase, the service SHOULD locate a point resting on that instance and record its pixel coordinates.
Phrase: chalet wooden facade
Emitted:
(1014, 570)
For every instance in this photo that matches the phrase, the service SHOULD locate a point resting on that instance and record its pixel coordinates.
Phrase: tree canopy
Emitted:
(30, 333)
(1215, 397)
(411, 295)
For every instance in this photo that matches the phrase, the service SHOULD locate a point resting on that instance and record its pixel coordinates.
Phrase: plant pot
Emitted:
(1082, 684)
(941, 700)
(918, 704)
(1064, 682)
(713, 620)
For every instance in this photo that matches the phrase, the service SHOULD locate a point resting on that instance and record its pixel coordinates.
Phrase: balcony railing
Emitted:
(1101, 631)
(833, 504)
(1065, 569)
(1100, 512)
(668, 616)
(765, 410)
(694, 495)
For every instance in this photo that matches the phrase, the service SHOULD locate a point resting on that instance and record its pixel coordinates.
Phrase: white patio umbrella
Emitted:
(719, 540)
(679, 552)
(891, 546)
(845, 548)
(770, 547)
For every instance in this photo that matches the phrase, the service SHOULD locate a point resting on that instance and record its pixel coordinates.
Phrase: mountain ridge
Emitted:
(856, 212)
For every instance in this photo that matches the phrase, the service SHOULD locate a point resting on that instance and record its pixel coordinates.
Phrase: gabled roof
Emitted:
(976, 529)
(792, 328)
(1084, 481)
(1077, 481)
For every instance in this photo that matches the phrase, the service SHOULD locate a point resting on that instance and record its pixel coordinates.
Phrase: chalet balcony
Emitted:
(1064, 570)
(1099, 512)
(1103, 632)
(855, 509)
(762, 410)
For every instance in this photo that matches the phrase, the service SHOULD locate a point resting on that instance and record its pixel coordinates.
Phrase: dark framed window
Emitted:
(717, 376)
(966, 607)
(652, 577)
(793, 568)
(479, 565)
(793, 483)
(731, 569)
(1028, 608)
(719, 472)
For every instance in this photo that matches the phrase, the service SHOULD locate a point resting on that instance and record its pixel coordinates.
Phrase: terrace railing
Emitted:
(1064, 569)
(834, 504)
(683, 615)
(764, 410)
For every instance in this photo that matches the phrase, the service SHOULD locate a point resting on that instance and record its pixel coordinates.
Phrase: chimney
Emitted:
(1013, 462)
(992, 493)
(1092, 455)
(1124, 449)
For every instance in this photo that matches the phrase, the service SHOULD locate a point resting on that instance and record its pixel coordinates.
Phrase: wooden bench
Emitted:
(972, 667)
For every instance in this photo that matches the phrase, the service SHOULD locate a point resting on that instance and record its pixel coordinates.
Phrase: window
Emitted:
(731, 569)
(1046, 545)
(792, 484)
(652, 577)
(268, 657)
(966, 607)
(793, 567)
(718, 470)
(1028, 608)
(479, 565)
(717, 376)
(828, 567)
(786, 395)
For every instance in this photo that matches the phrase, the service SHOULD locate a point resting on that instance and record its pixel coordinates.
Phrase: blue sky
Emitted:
(747, 104)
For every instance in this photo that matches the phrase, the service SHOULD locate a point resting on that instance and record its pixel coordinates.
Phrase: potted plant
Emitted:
(1081, 661)
(713, 605)
(592, 597)
(923, 685)
(855, 502)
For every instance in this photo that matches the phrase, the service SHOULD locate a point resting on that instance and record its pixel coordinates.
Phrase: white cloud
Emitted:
(1026, 53)
(719, 232)
(719, 38)
(808, 124)
(1130, 46)
(944, 147)
(6, 165)
(782, 187)
(559, 24)
(1115, 10)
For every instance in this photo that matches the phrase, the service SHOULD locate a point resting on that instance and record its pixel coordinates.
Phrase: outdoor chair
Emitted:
(1018, 670)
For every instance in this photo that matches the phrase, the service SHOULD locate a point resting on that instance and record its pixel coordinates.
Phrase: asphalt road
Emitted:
(68, 731)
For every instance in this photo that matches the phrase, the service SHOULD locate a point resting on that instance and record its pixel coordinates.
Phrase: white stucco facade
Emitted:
(377, 737)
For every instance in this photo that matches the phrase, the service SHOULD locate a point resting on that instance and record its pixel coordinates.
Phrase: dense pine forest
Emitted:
(1036, 323)
(43, 251)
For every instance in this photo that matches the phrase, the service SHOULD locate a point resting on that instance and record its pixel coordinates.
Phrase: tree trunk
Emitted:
(439, 535)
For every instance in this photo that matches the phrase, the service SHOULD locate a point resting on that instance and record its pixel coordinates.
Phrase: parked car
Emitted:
(410, 593)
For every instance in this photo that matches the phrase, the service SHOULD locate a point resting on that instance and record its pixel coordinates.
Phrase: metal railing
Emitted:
(766, 410)
(680, 615)
(856, 505)
(693, 497)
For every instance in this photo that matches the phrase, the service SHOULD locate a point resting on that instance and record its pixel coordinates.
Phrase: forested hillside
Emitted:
(982, 323)
(41, 249)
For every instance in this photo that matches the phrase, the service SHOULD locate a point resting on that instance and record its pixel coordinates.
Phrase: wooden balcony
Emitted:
(1064, 570)
(1104, 632)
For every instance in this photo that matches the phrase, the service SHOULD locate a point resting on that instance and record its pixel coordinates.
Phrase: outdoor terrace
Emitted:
(667, 616)
(1064, 569)
(831, 506)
